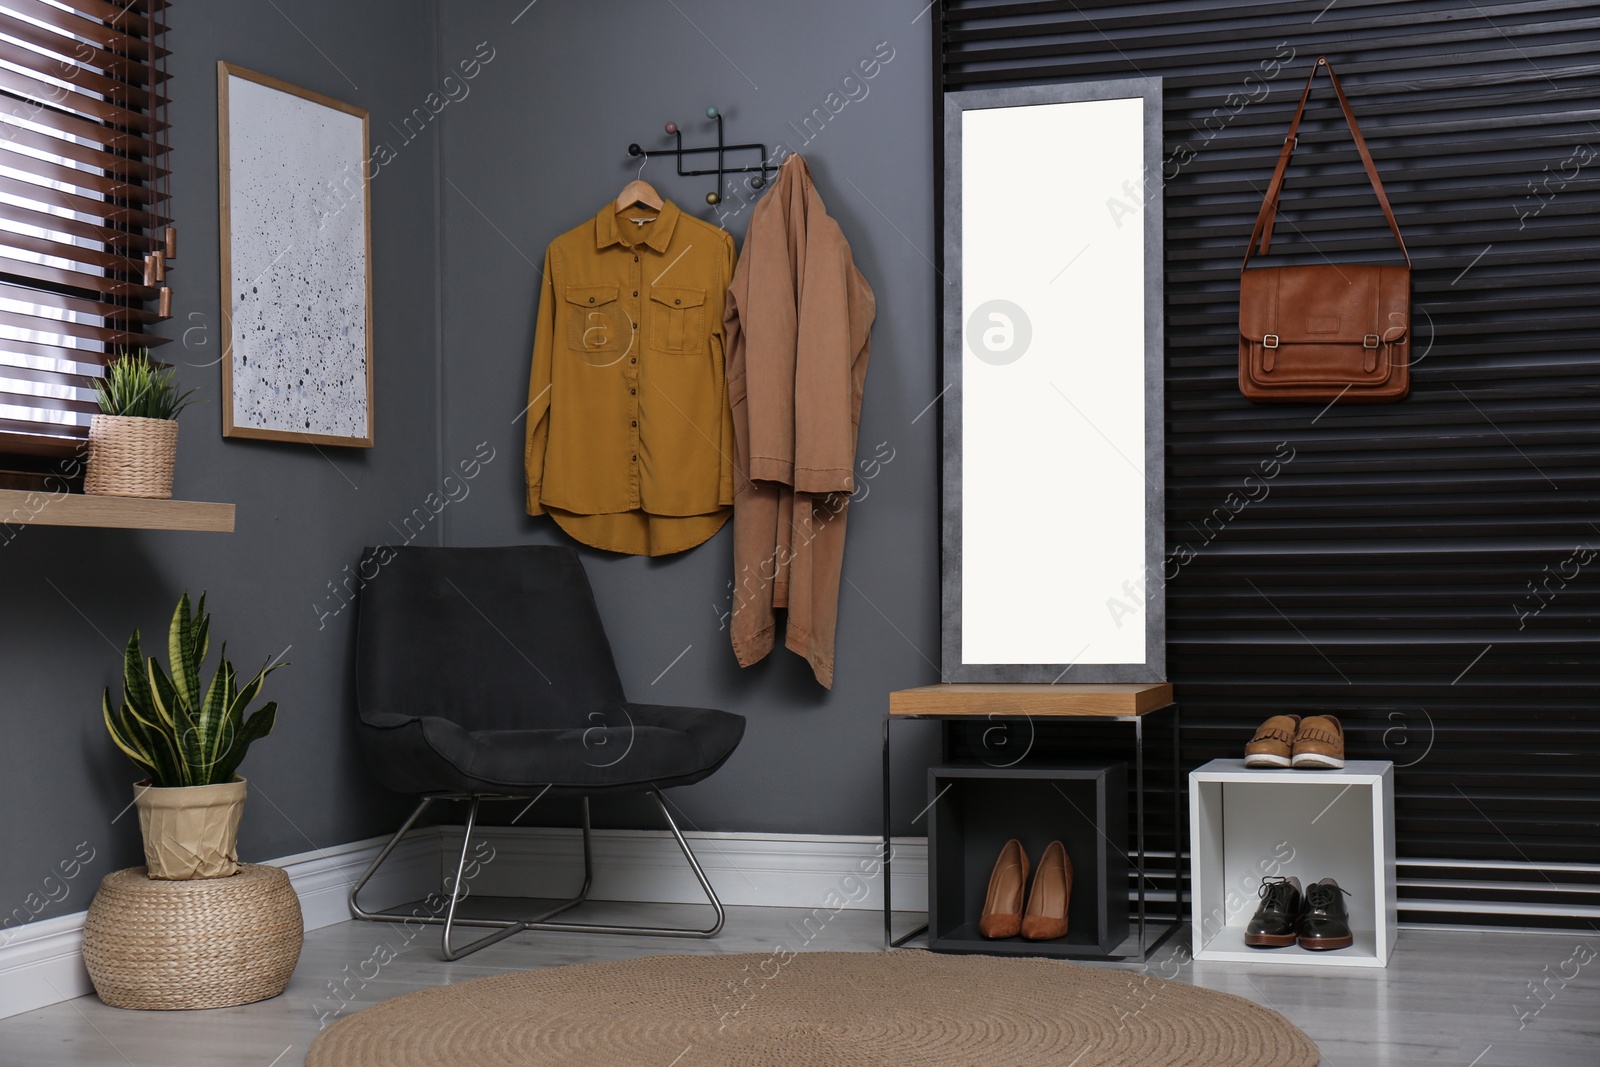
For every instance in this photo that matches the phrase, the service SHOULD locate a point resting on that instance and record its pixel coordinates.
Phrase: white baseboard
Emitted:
(42, 963)
(322, 879)
(759, 870)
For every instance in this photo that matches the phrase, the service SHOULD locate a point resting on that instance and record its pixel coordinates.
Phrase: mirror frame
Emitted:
(1153, 669)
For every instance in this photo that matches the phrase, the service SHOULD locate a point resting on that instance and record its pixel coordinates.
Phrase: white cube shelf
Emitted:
(1246, 824)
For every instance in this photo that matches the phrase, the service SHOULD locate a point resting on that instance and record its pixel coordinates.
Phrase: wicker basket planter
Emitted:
(191, 831)
(207, 943)
(131, 456)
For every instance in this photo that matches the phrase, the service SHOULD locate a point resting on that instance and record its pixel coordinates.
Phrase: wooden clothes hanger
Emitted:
(640, 191)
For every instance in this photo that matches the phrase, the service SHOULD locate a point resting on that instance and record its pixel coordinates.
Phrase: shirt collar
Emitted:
(606, 234)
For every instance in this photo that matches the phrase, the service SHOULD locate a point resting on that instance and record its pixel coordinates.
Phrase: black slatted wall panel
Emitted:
(1428, 570)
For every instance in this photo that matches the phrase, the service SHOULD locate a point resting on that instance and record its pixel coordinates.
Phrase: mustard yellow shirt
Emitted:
(630, 440)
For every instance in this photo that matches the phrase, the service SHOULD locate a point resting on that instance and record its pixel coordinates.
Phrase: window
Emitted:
(84, 241)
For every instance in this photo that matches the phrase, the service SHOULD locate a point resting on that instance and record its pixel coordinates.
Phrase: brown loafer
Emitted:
(1319, 743)
(1002, 907)
(1046, 917)
(1273, 743)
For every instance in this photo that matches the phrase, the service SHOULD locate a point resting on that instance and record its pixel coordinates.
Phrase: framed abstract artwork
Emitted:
(296, 235)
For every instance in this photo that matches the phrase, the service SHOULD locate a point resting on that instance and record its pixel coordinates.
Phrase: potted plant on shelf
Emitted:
(133, 442)
(190, 740)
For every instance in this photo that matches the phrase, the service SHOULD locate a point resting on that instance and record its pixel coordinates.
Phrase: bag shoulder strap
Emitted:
(1268, 217)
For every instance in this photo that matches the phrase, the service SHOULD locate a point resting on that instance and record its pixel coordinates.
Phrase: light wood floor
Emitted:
(1447, 997)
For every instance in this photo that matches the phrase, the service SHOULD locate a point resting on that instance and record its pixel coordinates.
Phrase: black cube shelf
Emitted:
(979, 807)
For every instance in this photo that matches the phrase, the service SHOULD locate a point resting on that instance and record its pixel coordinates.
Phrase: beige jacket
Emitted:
(799, 320)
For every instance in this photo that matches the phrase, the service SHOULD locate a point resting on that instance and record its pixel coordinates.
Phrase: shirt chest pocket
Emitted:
(597, 325)
(677, 319)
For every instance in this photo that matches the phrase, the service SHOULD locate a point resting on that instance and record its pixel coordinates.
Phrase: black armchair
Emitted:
(485, 674)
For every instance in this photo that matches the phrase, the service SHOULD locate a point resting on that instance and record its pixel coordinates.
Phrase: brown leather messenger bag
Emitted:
(1328, 332)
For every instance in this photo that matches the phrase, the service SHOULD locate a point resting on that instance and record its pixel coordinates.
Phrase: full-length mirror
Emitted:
(1053, 504)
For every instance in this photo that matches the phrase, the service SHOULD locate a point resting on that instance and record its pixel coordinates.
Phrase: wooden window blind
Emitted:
(84, 238)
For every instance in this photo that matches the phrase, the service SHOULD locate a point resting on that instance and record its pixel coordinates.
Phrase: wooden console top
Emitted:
(1069, 701)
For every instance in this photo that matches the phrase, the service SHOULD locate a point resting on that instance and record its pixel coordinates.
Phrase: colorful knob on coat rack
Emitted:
(713, 199)
(672, 127)
(711, 112)
(758, 182)
(635, 150)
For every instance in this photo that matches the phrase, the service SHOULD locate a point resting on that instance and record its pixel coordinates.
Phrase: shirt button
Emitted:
(633, 392)
(675, 301)
(636, 259)
(636, 292)
(635, 423)
(636, 326)
(633, 359)
(636, 459)
(591, 300)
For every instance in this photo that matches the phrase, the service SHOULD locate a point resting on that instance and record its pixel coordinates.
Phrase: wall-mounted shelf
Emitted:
(20, 508)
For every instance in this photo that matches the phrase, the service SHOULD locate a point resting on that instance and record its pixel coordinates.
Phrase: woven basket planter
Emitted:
(206, 943)
(131, 457)
(191, 831)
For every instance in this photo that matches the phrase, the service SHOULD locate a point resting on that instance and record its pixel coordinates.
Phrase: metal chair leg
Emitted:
(458, 892)
(652, 931)
(504, 928)
(372, 868)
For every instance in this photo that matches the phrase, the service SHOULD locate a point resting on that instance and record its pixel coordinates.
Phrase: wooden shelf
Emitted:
(1089, 700)
(21, 508)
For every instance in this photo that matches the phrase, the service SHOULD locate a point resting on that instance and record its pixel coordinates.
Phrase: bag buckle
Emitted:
(1370, 341)
(1270, 341)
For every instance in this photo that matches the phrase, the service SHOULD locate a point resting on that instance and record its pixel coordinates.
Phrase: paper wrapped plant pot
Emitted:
(191, 831)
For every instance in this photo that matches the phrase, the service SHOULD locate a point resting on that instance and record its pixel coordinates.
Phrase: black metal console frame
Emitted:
(1138, 861)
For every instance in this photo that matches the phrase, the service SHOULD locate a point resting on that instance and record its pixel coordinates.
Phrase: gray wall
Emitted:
(71, 597)
(533, 144)
(538, 146)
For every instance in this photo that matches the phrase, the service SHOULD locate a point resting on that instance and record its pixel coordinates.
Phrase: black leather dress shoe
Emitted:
(1325, 924)
(1276, 923)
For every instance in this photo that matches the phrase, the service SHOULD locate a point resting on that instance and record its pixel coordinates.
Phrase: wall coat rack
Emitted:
(721, 149)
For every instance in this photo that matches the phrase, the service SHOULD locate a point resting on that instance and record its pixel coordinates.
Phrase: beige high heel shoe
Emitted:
(1002, 906)
(1046, 915)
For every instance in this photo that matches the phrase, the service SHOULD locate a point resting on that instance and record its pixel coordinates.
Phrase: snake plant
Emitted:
(166, 726)
(135, 387)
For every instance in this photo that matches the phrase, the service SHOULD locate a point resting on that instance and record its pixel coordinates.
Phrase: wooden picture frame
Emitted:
(297, 336)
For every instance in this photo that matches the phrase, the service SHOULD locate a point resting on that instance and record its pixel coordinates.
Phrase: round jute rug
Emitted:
(821, 1009)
